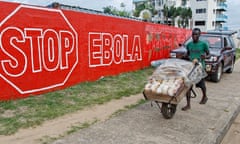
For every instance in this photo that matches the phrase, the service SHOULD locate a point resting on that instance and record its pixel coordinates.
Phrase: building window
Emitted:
(213, 23)
(184, 3)
(157, 2)
(203, 10)
(153, 3)
(160, 2)
(199, 23)
(159, 13)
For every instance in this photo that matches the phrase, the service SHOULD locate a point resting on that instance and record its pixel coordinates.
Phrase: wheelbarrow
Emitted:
(169, 103)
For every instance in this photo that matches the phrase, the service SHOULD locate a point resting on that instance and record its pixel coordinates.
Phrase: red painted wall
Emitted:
(44, 49)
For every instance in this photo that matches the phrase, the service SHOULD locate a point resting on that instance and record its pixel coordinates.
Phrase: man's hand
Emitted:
(203, 56)
(195, 61)
(206, 55)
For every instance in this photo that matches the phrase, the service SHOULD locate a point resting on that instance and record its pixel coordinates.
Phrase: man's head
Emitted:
(196, 32)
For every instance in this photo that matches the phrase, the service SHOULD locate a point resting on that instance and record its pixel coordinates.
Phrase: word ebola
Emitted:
(106, 49)
(35, 49)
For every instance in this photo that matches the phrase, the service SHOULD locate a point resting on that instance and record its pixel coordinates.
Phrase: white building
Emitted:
(206, 14)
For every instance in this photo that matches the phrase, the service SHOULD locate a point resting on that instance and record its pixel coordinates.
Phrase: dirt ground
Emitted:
(233, 135)
(59, 126)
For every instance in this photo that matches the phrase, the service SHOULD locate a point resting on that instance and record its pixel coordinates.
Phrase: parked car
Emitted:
(222, 50)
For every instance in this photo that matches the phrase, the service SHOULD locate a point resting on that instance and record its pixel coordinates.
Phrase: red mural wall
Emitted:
(44, 49)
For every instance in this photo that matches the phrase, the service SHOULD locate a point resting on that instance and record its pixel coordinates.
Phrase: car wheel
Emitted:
(230, 70)
(216, 77)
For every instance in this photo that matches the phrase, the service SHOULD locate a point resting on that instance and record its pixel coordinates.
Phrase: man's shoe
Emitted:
(204, 101)
(186, 108)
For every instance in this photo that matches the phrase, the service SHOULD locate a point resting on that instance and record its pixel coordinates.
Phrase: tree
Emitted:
(114, 11)
(172, 14)
(165, 13)
(146, 15)
(108, 9)
(146, 6)
(185, 16)
(138, 9)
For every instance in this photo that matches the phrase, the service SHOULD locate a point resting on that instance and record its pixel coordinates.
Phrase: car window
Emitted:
(232, 43)
(227, 42)
(215, 42)
(212, 41)
(206, 40)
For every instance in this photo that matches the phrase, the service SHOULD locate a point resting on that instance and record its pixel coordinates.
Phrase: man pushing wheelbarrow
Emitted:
(197, 51)
(170, 82)
(174, 78)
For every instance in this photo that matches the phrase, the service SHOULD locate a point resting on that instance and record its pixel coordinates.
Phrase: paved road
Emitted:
(203, 124)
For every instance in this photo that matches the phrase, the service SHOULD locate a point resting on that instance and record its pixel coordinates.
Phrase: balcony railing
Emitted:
(221, 18)
(222, 6)
(136, 1)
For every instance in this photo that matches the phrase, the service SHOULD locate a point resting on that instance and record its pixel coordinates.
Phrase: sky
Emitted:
(91, 4)
(233, 12)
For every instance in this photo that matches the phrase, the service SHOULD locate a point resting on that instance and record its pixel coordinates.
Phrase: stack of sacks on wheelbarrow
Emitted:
(172, 76)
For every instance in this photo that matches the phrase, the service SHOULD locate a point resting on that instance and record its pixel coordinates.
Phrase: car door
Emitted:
(227, 52)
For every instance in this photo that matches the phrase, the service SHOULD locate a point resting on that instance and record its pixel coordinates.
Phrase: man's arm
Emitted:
(186, 56)
(206, 55)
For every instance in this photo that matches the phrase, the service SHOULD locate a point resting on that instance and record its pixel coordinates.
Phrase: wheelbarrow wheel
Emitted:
(168, 110)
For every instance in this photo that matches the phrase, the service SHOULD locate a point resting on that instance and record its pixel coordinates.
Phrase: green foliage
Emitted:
(172, 12)
(138, 9)
(114, 11)
(185, 15)
(143, 6)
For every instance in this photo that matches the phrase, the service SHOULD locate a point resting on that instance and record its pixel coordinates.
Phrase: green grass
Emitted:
(238, 53)
(33, 111)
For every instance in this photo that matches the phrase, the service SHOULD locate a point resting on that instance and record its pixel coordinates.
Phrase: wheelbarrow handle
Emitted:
(194, 67)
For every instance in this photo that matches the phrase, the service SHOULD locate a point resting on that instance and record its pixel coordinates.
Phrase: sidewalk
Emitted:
(203, 124)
